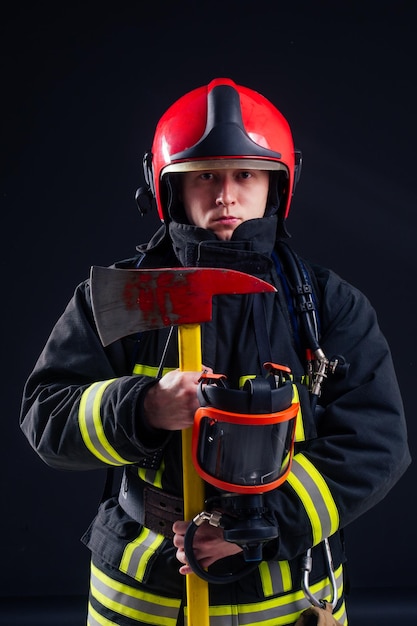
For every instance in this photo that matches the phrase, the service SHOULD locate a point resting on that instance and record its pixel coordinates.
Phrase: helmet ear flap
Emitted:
(297, 168)
(145, 200)
(148, 172)
(145, 196)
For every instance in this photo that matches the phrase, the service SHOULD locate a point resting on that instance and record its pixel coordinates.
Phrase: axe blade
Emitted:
(127, 301)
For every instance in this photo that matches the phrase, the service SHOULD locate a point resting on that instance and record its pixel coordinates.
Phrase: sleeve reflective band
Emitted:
(316, 497)
(91, 425)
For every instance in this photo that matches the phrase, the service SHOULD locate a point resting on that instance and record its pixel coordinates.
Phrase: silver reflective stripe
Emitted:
(279, 611)
(316, 497)
(151, 476)
(91, 425)
(137, 553)
(95, 619)
(275, 577)
(133, 603)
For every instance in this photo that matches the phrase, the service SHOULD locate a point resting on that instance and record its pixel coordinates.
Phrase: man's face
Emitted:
(220, 200)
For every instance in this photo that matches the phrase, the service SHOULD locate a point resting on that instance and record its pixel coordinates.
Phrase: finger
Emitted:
(181, 557)
(178, 541)
(179, 527)
(185, 569)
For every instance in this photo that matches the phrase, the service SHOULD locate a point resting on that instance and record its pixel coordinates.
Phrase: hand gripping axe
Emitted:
(127, 301)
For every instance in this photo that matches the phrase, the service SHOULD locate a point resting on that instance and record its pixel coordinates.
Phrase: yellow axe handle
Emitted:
(189, 345)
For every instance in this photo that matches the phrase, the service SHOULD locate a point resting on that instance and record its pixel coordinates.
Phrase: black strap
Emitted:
(301, 297)
(261, 330)
(149, 506)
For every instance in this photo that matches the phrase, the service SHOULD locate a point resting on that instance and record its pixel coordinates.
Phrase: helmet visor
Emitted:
(222, 164)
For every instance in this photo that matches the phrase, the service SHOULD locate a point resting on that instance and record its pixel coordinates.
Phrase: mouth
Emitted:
(227, 219)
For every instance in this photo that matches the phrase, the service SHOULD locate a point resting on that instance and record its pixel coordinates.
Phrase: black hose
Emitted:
(306, 310)
(216, 579)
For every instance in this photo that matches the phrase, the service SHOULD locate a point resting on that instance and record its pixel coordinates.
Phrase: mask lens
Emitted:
(244, 454)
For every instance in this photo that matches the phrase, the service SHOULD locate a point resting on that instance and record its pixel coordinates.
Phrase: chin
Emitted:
(224, 234)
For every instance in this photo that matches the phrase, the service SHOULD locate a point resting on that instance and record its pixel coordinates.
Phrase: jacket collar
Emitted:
(248, 250)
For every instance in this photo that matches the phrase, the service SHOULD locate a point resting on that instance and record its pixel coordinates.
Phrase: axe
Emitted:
(127, 301)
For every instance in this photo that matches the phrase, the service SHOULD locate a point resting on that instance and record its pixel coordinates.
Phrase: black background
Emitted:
(83, 86)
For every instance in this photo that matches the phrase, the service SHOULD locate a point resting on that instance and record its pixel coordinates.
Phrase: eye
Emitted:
(206, 176)
(245, 174)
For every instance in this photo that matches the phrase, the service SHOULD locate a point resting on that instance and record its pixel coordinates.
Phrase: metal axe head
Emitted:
(126, 301)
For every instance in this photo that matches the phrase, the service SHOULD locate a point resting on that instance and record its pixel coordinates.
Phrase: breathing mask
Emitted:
(243, 444)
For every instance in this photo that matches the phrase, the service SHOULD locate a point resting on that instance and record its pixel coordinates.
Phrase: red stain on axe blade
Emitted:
(184, 296)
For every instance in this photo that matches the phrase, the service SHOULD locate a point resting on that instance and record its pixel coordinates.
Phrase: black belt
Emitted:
(150, 506)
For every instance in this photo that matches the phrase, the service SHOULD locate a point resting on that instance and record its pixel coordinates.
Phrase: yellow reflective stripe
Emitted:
(243, 379)
(299, 425)
(151, 476)
(284, 566)
(325, 492)
(275, 577)
(137, 553)
(286, 575)
(308, 505)
(162, 611)
(150, 370)
(91, 425)
(279, 611)
(95, 618)
(316, 497)
(340, 615)
(266, 579)
(323, 591)
(132, 603)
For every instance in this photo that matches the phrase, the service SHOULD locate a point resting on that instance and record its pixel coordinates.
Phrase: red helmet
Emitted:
(217, 126)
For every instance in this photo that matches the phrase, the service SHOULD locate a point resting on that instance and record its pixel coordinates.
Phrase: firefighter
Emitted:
(221, 175)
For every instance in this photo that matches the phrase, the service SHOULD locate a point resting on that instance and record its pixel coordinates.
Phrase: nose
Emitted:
(226, 193)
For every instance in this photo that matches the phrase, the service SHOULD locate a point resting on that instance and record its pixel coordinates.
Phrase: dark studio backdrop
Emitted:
(83, 86)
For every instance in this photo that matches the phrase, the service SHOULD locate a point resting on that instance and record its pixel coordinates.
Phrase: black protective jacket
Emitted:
(348, 454)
